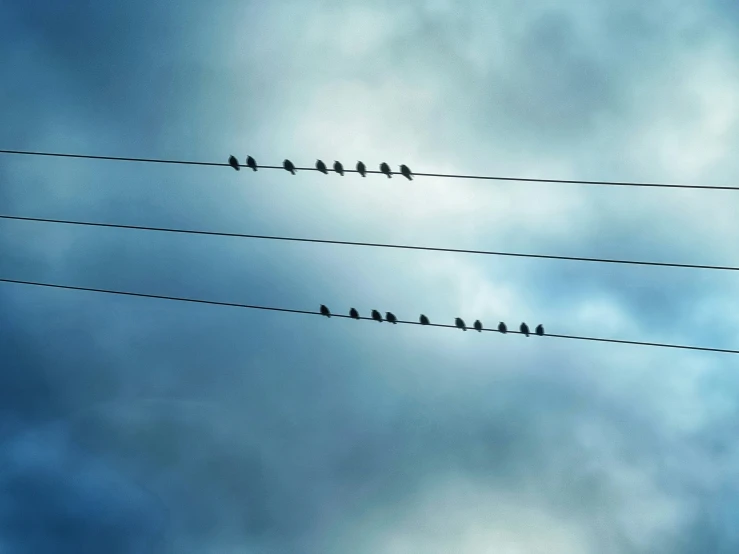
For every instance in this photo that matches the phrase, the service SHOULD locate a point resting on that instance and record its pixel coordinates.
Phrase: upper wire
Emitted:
(420, 174)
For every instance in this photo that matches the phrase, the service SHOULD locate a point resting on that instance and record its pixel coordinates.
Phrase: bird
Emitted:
(478, 326)
(424, 320)
(540, 330)
(289, 166)
(251, 162)
(502, 327)
(525, 329)
(320, 166)
(405, 170)
(460, 324)
(390, 318)
(338, 168)
(233, 162)
(386, 170)
(354, 313)
(325, 311)
(376, 316)
(362, 169)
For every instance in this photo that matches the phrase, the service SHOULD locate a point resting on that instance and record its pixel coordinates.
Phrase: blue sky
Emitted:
(140, 426)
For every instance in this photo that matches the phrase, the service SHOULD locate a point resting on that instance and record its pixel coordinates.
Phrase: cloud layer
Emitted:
(132, 425)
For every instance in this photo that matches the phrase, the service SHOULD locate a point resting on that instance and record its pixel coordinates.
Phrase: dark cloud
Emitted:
(60, 500)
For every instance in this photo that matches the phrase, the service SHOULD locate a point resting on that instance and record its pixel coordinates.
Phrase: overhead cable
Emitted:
(362, 171)
(318, 313)
(366, 244)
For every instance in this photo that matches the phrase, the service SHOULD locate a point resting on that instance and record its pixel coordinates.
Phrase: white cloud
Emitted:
(464, 516)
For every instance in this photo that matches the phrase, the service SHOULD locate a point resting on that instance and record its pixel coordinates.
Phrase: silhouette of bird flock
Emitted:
(321, 166)
(424, 320)
(390, 317)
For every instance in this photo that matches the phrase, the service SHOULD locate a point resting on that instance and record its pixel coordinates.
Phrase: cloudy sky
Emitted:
(143, 426)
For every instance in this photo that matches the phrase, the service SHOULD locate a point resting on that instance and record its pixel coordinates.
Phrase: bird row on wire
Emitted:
(321, 166)
(423, 320)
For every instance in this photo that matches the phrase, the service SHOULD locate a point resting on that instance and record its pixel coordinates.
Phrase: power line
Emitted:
(308, 312)
(441, 175)
(367, 244)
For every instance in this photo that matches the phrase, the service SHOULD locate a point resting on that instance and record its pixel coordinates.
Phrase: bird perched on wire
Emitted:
(423, 320)
(478, 326)
(405, 170)
(540, 330)
(502, 327)
(377, 316)
(390, 318)
(386, 170)
(325, 311)
(460, 324)
(354, 314)
(251, 162)
(362, 169)
(289, 166)
(320, 166)
(525, 329)
(233, 162)
(338, 168)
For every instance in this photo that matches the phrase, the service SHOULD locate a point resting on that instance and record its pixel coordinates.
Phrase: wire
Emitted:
(442, 175)
(370, 244)
(308, 312)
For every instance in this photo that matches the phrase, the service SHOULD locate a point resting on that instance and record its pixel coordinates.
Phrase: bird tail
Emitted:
(292, 171)
(254, 168)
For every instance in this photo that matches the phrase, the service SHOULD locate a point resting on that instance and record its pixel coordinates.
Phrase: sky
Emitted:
(140, 426)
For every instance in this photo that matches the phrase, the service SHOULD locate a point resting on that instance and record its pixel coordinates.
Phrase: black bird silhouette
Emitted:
(502, 327)
(376, 316)
(338, 168)
(385, 169)
(460, 324)
(540, 330)
(478, 326)
(390, 317)
(289, 166)
(325, 311)
(362, 169)
(320, 166)
(405, 170)
(251, 162)
(525, 329)
(354, 313)
(233, 162)
(424, 320)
